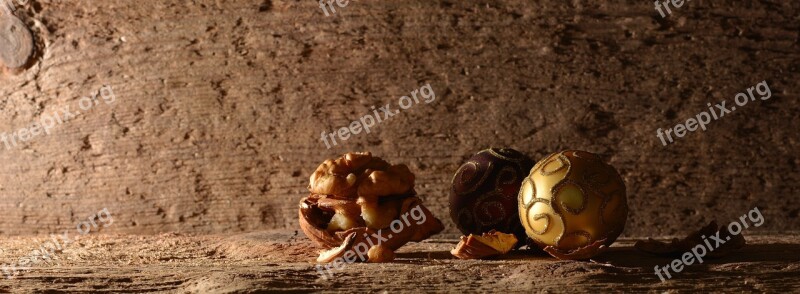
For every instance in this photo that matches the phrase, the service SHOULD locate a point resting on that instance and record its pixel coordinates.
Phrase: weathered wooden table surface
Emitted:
(221, 105)
(283, 261)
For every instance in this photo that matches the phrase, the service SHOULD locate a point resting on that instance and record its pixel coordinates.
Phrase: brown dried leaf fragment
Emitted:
(488, 244)
(581, 253)
(677, 246)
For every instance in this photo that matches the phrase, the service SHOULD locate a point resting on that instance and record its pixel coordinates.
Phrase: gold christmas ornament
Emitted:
(573, 205)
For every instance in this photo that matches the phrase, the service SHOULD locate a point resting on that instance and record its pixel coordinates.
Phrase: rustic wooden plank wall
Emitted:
(220, 105)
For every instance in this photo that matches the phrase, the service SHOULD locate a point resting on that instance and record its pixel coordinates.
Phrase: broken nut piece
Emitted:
(330, 255)
(380, 253)
(485, 245)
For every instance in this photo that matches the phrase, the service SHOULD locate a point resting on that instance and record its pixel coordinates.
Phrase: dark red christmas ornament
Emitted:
(483, 194)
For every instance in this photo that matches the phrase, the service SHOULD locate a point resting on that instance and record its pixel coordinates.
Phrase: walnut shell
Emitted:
(314, 221)
(356, 203)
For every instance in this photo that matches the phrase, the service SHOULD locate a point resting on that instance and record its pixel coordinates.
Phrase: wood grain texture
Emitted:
(282, 260)
(220, 105)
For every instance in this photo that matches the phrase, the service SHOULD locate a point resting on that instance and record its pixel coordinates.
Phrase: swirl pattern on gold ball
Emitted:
(572, 199)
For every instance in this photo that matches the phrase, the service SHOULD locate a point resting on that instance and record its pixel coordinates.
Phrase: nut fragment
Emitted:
(346, 213)
(486, 245)
(376, 214)
(395, 180)
(380, 254)
(330, 255)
